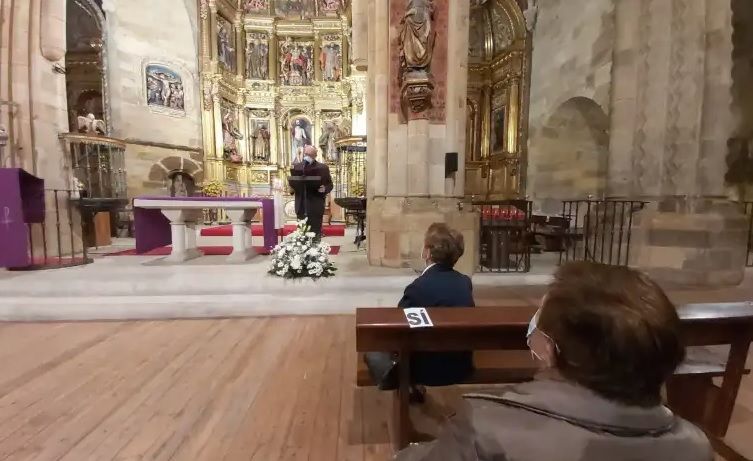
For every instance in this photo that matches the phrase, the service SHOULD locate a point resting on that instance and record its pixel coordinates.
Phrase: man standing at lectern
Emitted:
(312, 206)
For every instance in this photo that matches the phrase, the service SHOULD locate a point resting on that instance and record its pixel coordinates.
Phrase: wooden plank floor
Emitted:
(261, 389)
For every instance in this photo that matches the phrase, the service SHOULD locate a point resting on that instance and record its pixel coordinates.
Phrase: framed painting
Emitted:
(301, 131)
(164, 89)
(226, 47)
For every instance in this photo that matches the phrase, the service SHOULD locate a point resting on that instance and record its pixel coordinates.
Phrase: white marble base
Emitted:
(241, 255)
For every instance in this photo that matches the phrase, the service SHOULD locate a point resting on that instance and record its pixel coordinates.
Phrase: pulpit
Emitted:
(21, 204)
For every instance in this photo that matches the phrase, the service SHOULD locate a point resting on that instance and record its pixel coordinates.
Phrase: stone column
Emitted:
(415, 117)
(671, 118)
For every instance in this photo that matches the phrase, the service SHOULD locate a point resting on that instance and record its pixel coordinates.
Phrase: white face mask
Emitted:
(533, 327)
(307, 159)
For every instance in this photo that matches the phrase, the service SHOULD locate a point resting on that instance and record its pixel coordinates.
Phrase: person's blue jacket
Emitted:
(440, 286)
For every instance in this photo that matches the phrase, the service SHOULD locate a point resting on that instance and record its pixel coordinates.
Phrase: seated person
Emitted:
(439, 286)
(606, 339)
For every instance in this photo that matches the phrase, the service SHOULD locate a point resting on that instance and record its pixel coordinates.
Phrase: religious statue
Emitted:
(230, 136)
(296, 67)
(254, 6)
(261, 142)
(90, 125)
(330, 133)
(178, 187)
(531, 14)
(225, 47)
(329, 61)
(417, 35)
(300, 138)
(256, 60)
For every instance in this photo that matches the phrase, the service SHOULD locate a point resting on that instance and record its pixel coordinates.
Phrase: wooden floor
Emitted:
(254, 389)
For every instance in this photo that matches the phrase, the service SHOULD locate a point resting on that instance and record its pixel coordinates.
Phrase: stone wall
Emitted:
(142, 32)
(572, 58)
(150, 167)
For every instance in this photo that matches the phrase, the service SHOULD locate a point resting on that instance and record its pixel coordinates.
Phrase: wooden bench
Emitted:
(504, 329)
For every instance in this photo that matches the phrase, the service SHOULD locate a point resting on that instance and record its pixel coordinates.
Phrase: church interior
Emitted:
(148, 197)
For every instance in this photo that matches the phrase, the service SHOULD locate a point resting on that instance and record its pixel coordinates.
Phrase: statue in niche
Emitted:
(261, 141)
(181, 185)
(330, 60)
(296, 67)
(300, 137)
(331, 132)
(230, 136)
(225, 44)
(257, 6)
(417, 35)
(257, 59)
(329, 6)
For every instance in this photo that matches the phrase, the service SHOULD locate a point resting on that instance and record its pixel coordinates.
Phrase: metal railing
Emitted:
(748, 210)
(505, 235)
(598, 230)
(57, 241)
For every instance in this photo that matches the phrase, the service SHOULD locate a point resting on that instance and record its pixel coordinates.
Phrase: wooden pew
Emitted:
(504, 328)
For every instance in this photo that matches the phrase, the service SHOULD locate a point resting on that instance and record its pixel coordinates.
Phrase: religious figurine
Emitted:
(257, 64)
(90, 125)
(225, 48)
(230, 136)
(261, 142)
(178, 188)
(329, 61)
(300, 139)
(417, 35)
(296, 67)
(330, 134)
(256, 5)
(531, 14)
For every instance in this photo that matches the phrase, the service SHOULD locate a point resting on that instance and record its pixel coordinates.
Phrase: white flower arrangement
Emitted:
(299, 256)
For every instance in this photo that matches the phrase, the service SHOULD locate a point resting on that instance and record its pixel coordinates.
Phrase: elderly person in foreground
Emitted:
(606, 339)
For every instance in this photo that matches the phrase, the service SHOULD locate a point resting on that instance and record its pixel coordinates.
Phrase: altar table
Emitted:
(159, 221)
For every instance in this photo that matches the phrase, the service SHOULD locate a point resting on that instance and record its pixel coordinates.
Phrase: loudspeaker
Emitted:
(450, 163)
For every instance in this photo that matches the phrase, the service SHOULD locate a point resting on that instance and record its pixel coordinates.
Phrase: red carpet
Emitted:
(331, 230)
(206, 250)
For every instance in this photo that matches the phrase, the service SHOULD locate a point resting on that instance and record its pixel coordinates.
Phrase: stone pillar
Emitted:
(414, 118)
(32, 40)
(671, 118)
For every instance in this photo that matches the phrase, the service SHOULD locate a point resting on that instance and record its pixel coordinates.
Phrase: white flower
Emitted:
(322, 259)
(295, 263)
(310, 235)
(315, 269)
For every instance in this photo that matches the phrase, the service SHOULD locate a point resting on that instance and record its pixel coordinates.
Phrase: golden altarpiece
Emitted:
(497, 103)
(275, 77)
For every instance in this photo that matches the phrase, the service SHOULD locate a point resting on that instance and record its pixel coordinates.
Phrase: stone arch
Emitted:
(569, 159)
(166, 168)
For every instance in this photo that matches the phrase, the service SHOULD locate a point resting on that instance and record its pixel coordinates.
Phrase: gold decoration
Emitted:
(271, 100)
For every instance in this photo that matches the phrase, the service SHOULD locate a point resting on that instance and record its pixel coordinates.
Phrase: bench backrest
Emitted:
(504, 328)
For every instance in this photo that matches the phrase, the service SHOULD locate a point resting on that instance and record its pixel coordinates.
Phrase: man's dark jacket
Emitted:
(440, 286)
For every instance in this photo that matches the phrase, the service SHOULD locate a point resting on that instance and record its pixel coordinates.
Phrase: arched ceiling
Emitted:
(83, 25)
(494, 26)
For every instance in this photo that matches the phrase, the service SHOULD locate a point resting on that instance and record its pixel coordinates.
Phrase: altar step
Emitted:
(213, 250)
(328, 230)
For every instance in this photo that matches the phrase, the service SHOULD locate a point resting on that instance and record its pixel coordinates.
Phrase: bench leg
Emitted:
(402, 429)
(724, 403)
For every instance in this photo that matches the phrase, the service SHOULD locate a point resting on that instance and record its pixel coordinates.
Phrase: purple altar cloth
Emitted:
(21, 203)
(152, 228)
